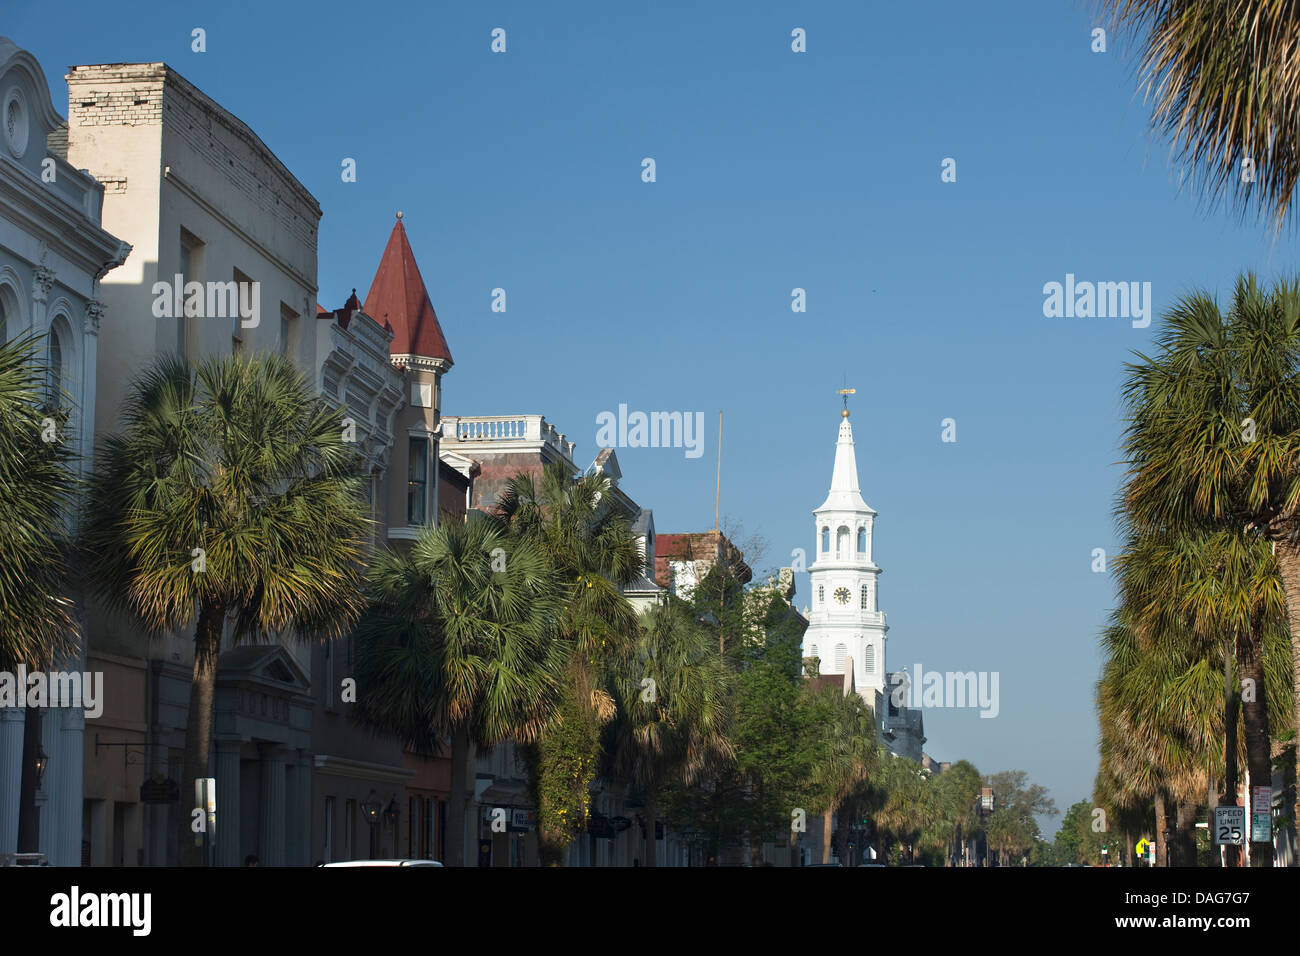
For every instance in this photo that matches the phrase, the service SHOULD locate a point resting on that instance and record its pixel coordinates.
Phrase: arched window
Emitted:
(826, 540)
(869, 659)
(841, 652)
(862, 541)
(842, 543)
(821, 593)
(866, 596)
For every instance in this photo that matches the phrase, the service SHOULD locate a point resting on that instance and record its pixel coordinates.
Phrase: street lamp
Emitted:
(41, 761)
(370, 808)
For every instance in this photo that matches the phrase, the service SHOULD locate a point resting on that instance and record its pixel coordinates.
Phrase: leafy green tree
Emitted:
(671, 691)
(452, 647)
(228, 493)
(1070, 837)
(1012, 827)
(773, 753)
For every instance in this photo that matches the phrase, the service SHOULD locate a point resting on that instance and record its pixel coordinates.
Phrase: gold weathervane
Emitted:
(846, 392)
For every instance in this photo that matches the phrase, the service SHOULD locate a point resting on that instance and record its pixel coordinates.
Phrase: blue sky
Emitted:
(775, 170)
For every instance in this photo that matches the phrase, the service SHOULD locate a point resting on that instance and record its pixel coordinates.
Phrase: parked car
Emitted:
(23, 859)
(383, 863)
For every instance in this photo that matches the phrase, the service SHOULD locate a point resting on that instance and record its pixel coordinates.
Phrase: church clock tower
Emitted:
(845, 621)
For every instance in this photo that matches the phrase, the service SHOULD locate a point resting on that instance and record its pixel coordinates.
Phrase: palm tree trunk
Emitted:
(1288, 561)
(1162, 851)
(826, 834)
(458, 800)
(198, 726)
(1231, 853)
(1186, 832)
(651, 811)
(1254, 714)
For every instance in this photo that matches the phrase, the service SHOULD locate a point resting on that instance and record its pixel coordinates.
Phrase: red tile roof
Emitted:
(398, 297)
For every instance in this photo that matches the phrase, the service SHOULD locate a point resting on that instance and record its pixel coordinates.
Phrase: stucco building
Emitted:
(54, 253)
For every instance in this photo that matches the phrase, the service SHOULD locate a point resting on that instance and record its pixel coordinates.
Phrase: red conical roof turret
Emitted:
(397, 296)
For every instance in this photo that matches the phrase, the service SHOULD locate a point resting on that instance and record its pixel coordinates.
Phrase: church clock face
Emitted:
(842, 595)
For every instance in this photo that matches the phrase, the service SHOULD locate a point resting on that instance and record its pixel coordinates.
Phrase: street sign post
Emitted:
(1261, 807)
(1230, 825)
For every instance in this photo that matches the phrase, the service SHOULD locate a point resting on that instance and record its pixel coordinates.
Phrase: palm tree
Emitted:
(1161, 729)
(1226, 88)
(453, 646)
(671, 691)
(1218, 597)
(846, 756)
(910, 806)
(958, 791)
(37, 485)
(1214, 436)
(587, 539)
(227, 494)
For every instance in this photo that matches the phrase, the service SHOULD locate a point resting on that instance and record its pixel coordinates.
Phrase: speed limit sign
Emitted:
(1230, 825)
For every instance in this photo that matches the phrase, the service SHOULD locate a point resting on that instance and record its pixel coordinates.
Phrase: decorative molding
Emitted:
(94, 314)
(42, 282)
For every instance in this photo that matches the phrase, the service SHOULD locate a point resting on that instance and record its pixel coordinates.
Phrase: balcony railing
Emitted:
(513, 429)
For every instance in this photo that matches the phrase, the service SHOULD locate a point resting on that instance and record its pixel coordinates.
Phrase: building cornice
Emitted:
(360, 769)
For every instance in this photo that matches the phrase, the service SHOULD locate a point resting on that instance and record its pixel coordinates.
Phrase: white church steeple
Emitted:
(845, 626)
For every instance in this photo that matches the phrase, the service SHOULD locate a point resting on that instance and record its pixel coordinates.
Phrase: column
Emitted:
(89, 365)
(228, 790)
(299, 812)
(271, 817)
(67, 800)
(11, 775)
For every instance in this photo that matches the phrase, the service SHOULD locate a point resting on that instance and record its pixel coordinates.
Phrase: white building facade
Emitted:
(53, 253)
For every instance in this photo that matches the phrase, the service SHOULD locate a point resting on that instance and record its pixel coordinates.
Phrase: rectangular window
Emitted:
(417, 492)
(243, 295)
(288, 330)
(349, 827)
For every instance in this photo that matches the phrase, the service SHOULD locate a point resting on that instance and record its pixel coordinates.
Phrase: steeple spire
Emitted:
(845, 494)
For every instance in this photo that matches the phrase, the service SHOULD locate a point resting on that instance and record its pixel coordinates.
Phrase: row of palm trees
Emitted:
(1202, 655)
(228, 506)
